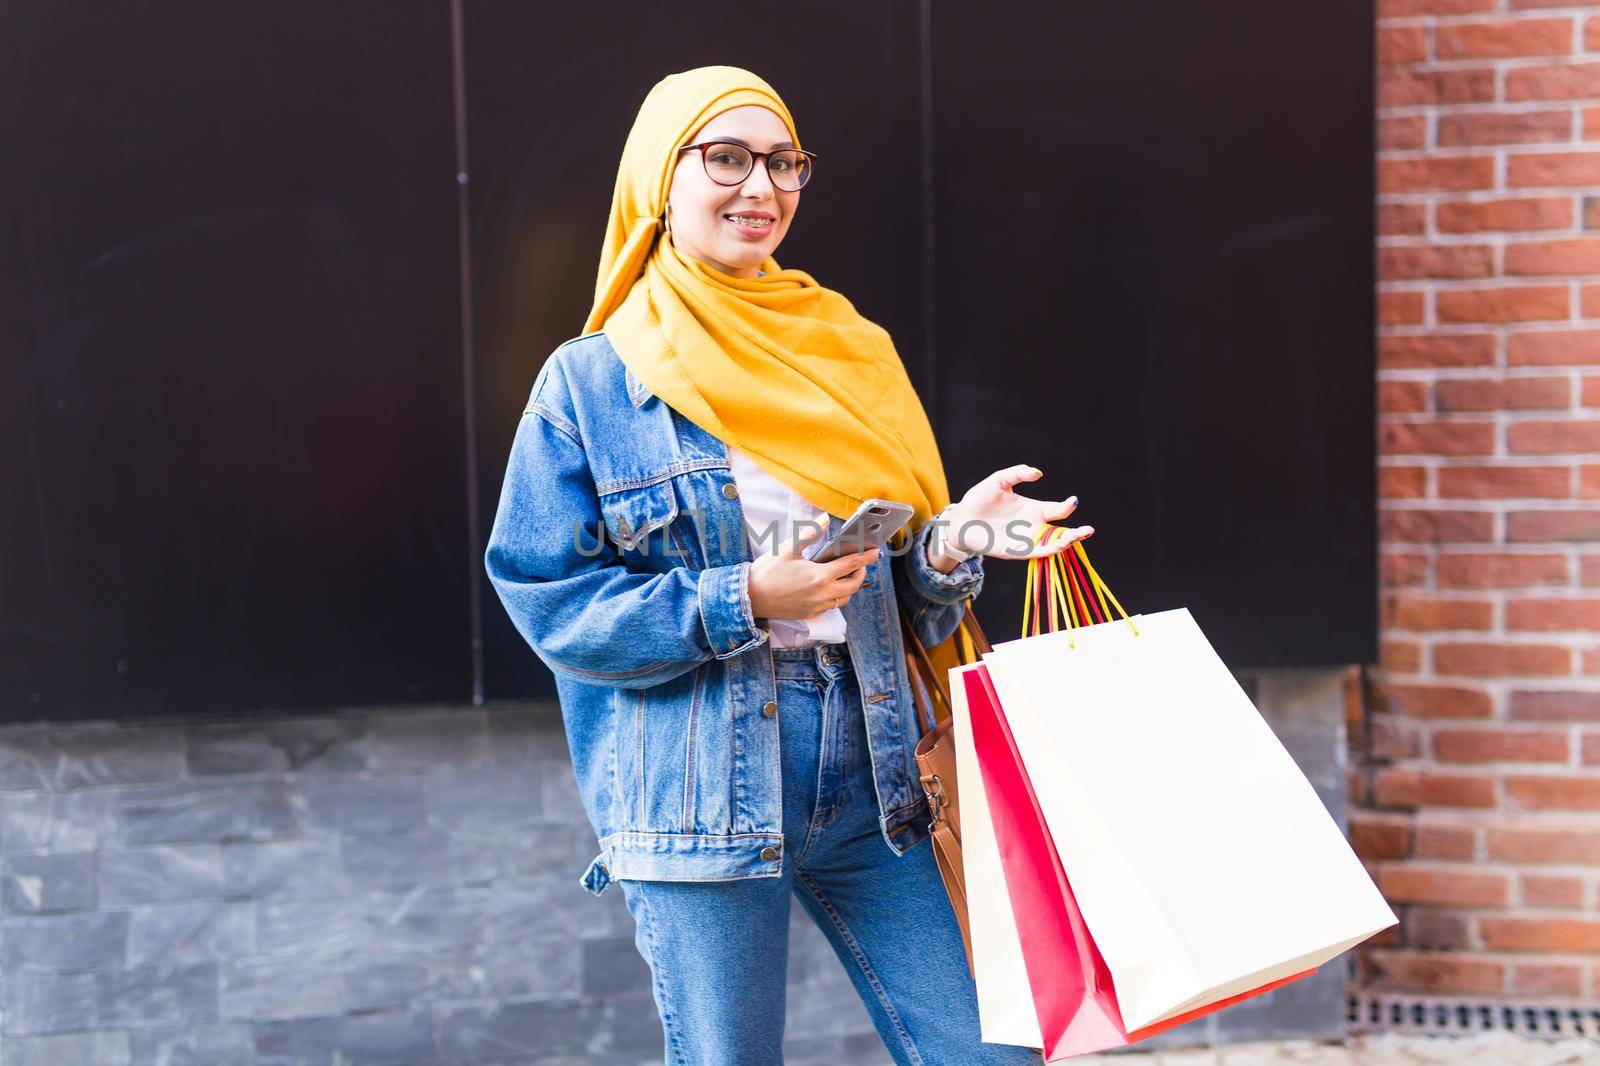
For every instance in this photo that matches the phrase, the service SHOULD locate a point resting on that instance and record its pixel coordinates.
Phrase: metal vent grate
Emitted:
(1372, 1012)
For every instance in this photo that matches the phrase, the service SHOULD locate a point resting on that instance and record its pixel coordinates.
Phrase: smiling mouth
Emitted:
(753, 221)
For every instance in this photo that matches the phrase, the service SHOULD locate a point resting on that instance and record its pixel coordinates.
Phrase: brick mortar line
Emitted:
(1505, 17)
(1484, 239)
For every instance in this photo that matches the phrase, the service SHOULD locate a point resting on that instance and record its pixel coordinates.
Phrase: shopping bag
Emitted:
(1173, 850)
(1073, 994)
(1006, 1014)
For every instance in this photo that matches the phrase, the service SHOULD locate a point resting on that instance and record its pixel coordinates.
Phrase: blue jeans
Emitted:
(718, 950)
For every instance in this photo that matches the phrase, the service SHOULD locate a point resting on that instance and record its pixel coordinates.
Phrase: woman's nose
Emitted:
(759, 183)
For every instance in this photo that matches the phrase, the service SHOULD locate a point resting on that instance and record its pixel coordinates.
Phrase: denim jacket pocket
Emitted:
(634, 515)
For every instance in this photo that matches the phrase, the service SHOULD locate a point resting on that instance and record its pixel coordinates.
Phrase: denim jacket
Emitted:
(620, 551)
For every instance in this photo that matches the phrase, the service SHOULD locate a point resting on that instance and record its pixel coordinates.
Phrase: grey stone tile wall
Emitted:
(386, 887)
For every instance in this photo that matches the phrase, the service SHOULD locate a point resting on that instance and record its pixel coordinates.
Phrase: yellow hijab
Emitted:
(778, 366)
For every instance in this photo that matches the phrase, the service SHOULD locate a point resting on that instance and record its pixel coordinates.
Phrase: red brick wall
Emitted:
(1476, 780)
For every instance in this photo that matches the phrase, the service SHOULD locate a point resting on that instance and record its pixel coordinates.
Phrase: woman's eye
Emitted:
(723, 159)
(783, 164)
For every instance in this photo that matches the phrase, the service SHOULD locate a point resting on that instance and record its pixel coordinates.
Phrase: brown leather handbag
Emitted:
(929, 670)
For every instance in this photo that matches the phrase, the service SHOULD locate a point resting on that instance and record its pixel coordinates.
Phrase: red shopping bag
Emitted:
(1072, 987)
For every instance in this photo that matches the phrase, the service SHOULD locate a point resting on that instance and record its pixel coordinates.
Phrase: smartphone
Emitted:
(874, 522)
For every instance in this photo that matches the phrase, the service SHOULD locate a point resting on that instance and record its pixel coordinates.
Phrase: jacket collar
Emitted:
(638, 391)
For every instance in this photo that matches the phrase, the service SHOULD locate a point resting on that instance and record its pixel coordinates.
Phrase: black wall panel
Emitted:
(239, 381)
(231, 418)
(1155, 283)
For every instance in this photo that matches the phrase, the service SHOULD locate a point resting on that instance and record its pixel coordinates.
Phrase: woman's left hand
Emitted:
(993, 520)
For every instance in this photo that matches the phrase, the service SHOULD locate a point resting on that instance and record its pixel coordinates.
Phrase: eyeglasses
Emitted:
(727, 163)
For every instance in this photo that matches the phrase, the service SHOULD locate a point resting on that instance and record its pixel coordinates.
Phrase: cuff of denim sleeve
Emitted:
(725, 610)
(942, 538)
(962, 583)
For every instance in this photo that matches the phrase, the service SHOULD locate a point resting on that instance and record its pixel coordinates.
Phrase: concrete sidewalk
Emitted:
(1387, 1049)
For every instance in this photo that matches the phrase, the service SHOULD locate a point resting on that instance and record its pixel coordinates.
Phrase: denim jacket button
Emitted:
(770, 710)
(730, 490)
(768, 854)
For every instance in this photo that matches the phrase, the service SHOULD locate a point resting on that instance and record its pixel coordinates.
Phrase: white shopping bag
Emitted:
(1202, 859)
(1006, 1012)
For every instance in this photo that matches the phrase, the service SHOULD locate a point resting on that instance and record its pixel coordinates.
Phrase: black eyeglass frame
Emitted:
(755, 157)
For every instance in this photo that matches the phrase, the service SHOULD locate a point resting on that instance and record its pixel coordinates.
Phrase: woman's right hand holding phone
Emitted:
(785, 584)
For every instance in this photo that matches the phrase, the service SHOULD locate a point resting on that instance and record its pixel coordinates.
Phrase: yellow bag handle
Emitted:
(1067, 599)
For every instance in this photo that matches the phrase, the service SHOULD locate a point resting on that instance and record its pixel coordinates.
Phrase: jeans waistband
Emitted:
(815, 660)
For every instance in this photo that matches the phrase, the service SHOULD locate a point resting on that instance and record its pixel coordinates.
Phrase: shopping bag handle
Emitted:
(1076, 595)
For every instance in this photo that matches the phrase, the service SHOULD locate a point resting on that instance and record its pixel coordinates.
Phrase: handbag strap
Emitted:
(927, 685)
(919, 670)
(920, 698)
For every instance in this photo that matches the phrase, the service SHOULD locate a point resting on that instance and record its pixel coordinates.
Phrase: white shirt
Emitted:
(771, 509)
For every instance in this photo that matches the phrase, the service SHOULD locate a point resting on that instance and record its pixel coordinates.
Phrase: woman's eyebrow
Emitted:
(747, 144)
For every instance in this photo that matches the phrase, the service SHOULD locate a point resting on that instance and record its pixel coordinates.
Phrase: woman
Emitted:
(739, 717)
